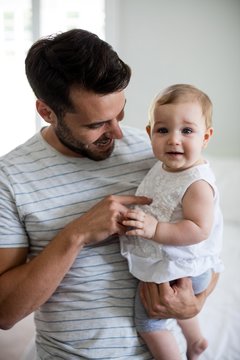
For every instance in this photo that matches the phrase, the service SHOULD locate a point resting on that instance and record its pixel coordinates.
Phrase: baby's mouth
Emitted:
(174, 153)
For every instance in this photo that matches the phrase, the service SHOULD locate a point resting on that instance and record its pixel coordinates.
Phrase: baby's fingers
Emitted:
(135, 215)
(133, 224)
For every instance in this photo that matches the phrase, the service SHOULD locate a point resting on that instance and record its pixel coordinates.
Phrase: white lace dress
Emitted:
(150, 261)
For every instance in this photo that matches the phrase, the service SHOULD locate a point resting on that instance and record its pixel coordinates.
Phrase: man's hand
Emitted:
(104, 219)
(177, 301)
(41, 276)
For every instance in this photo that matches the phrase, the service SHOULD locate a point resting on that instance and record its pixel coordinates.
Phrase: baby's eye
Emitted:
(187, 131)
(163, 130)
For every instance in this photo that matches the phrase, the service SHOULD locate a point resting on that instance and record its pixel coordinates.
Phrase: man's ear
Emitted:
(46, 112)
(208, 134)
(148, 129)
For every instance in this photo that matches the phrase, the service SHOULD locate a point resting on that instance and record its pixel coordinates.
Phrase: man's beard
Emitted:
(66, 137)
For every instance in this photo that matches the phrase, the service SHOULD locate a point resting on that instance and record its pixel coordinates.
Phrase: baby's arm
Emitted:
(198, 212)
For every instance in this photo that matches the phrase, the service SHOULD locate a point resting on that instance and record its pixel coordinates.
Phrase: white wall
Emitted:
(190, 41)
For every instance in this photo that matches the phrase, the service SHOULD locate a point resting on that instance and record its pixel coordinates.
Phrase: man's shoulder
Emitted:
(21, 152)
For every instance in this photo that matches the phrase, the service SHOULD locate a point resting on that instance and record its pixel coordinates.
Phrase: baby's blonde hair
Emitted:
(180, 93)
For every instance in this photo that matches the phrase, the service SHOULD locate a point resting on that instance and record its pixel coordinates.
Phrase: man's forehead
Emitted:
(80, 96)
(94, 108)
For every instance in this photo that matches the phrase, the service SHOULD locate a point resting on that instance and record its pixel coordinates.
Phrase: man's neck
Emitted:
(51, 138)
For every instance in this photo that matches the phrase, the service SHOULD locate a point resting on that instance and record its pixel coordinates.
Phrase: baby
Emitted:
(180, 233)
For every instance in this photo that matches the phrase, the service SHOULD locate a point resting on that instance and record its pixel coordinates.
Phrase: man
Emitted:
(63, 195)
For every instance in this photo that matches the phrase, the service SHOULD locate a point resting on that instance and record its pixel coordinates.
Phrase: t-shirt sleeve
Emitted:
(12, 231)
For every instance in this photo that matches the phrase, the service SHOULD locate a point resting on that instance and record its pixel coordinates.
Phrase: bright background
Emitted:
(21, 23)
(164, 42)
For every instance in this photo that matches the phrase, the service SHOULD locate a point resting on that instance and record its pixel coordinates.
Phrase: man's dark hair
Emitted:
(77, 58)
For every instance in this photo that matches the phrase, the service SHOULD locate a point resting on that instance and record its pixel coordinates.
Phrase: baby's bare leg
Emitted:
(196, 343)
(162, 345)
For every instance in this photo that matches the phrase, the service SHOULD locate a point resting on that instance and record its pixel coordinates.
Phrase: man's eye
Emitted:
(96, 126)
(163, 130)
(187, 131)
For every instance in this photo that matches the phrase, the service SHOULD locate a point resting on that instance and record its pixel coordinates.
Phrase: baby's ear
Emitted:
(207, 136)
(148, 129)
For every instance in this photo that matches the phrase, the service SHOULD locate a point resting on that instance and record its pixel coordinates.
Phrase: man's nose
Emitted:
(115, 129)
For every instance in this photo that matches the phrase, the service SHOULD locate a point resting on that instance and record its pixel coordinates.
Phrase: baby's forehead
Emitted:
(185, 104)
(177, 99)
(186, 112)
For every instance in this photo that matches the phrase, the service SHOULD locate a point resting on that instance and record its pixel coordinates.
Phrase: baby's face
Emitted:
(179, 134)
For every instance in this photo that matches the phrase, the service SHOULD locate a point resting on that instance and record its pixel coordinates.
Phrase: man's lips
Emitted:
(103, 142)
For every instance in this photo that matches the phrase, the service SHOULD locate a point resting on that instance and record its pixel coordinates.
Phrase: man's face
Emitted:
(91, 129)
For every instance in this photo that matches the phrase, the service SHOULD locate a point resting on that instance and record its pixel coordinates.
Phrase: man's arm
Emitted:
(177, 301)
(24, 286)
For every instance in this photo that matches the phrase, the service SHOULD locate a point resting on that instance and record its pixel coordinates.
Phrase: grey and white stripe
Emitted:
(91, 313)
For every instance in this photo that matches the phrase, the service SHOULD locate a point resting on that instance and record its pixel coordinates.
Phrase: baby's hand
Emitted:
(141, 224)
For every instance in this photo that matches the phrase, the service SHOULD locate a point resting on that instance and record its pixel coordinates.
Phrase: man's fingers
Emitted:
(165, 288)
(132, 200)
(182, 283)
(149, 294)
(154, 298)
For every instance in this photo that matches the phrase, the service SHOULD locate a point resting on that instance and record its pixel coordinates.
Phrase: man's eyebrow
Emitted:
(105, 121)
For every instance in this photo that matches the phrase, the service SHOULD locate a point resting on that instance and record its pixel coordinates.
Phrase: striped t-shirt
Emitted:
(90, 315)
